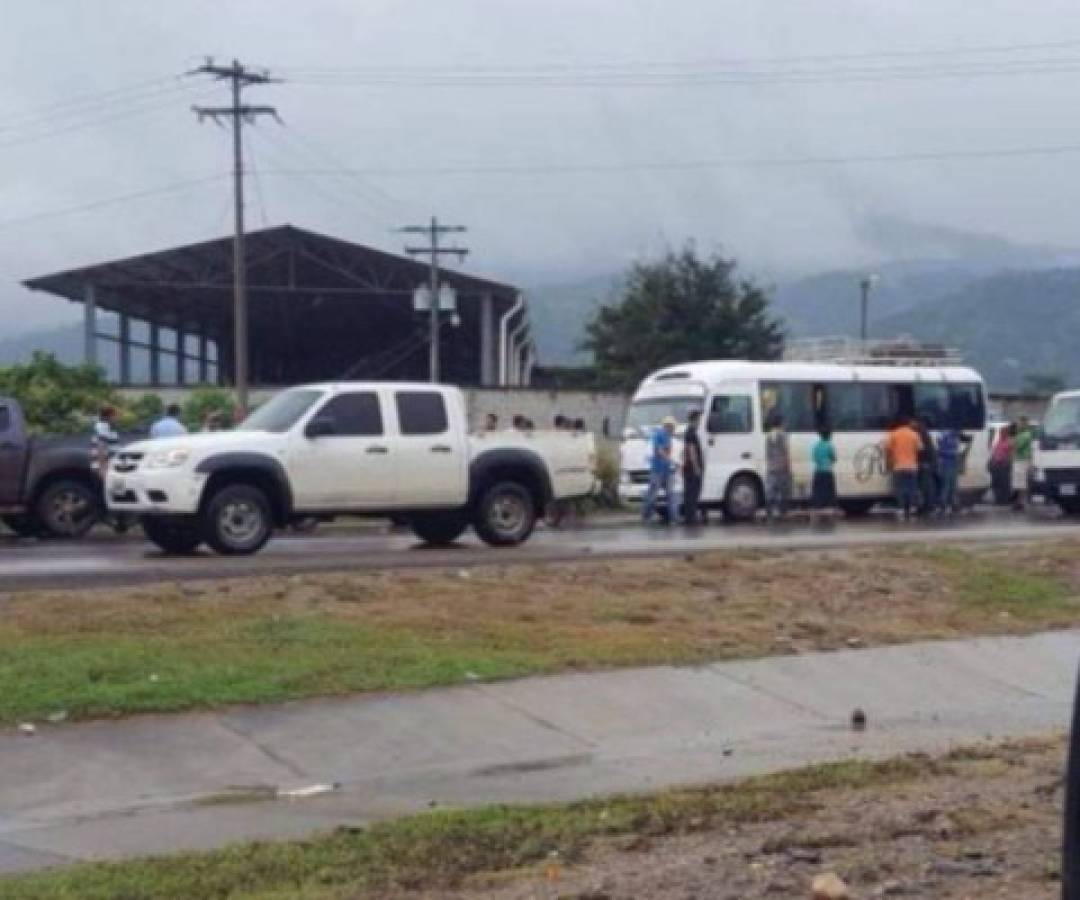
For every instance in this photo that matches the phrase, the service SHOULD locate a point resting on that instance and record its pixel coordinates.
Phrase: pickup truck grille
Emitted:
(639, 476)
(125, 461)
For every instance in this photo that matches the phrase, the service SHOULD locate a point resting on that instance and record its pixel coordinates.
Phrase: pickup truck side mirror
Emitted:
(320, 426)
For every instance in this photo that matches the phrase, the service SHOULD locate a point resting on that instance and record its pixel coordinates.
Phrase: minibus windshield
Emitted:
(647, 414)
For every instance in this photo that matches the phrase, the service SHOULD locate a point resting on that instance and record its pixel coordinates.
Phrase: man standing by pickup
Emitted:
(169, 425)
(661, 471)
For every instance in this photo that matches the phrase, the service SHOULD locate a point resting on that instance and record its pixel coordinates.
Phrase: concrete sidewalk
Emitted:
(113, 789)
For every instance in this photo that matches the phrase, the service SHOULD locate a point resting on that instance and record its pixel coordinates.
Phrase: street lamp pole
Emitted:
(866, 283)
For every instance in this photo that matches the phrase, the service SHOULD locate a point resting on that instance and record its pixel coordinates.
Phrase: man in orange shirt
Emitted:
(902, 448)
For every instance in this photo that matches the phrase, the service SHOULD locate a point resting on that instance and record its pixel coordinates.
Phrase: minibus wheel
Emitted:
(742, 498)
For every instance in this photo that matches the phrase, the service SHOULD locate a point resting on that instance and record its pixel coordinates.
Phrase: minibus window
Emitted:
(730, 415)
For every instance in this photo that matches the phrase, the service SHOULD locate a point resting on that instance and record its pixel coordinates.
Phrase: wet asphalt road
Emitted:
(104, 560)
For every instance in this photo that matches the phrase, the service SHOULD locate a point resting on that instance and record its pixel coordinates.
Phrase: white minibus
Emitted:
(857, 403)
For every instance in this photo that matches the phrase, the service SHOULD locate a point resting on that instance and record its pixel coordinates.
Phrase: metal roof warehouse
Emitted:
(319, 309)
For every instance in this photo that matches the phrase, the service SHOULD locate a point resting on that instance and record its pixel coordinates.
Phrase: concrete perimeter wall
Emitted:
(603, 412)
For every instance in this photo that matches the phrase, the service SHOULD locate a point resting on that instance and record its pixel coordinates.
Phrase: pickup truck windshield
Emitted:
(281, 413)
(645, 415)
(1063, 420)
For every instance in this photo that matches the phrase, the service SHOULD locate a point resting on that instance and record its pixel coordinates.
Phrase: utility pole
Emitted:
(434, 231)
(240, 78)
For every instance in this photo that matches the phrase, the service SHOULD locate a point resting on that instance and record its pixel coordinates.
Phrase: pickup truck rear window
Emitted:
(421, 412)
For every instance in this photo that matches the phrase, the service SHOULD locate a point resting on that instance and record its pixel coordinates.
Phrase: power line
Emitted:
(112, 201)
(239, 77)
(539, 168)
(902, 53)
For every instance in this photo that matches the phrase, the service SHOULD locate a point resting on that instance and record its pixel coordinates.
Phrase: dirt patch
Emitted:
(986, 826)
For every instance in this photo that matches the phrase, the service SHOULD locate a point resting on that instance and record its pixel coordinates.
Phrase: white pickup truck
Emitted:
(373, 449)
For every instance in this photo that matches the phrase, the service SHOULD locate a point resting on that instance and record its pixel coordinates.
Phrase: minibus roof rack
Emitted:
(903, 351)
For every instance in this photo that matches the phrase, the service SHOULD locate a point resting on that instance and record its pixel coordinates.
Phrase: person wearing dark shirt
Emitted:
(928, 469)
(693, 469)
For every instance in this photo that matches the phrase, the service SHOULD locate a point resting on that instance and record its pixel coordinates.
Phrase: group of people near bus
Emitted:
(1010, 462)
(925, 470)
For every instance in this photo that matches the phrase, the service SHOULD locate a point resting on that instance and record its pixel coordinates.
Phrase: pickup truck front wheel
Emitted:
(438, 529)
(176, 536)
(67, 509)
(506, 514)
(238, 520)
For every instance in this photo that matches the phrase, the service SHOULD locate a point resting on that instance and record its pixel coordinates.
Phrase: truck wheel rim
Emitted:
(69, 509)
(508, 514)
(240, 521)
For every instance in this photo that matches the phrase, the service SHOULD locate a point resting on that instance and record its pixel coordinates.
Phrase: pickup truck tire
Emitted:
(438, 529)
(23, 525)
(176, 536)
(67, 509)
(505, 515)
(237, 520)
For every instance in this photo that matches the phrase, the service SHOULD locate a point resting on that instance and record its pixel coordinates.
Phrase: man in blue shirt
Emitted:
(169, 425)
(661, 471)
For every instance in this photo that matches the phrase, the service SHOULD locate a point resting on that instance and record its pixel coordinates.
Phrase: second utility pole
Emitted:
(240, 78)
(434, 231)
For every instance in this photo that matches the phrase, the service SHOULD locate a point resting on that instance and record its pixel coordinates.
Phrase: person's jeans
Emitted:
(660, 481)
(907, 489)
(928, 489)
(950, 474)
(777, 493)
(691, 496)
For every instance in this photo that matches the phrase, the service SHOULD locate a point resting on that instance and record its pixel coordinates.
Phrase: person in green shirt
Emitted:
(1021, 461)
(823, 490)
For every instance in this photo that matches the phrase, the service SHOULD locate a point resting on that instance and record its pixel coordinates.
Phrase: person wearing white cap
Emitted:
(661, 471)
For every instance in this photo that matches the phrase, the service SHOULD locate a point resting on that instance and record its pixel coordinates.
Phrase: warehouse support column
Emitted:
(125, 349)
(181, 354)
(90, 325)
(204, 361)
(155, 353)
(487, 340)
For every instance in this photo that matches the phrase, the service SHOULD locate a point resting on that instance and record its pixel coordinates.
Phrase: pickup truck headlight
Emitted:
(167, 459)
(624, 477)
(1038, 474)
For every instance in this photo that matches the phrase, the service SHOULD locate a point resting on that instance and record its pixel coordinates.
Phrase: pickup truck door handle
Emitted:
(376, 449)
(442, 448)
(748, 456)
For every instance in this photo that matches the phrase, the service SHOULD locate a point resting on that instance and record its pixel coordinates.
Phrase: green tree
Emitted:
(678, 309)
(56, 399)
(1043, 384)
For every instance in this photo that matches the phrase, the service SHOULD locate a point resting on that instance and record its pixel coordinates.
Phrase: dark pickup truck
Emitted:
(48, 486)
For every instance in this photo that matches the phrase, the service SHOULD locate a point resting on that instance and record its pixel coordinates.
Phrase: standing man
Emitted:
(902, 448)
(1021, 461)
(950, 451)
(661, 471)
(693, 469)
(104, 438)
(169, 425)
(777, 470)
(928, 468)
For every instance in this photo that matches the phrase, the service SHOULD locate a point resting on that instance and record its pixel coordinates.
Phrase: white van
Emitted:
(857, 403)
(1055, 463)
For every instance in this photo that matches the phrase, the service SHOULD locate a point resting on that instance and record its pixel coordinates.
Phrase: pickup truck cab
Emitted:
(1055, 462)
(48, 485)
(372, 449)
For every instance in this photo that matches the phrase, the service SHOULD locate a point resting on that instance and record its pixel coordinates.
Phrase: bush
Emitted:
(140, 413)
(204, 401)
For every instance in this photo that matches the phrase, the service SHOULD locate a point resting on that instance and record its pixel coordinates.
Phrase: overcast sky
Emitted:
(620, 127)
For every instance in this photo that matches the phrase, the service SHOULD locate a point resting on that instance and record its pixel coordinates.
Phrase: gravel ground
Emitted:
(987, 827)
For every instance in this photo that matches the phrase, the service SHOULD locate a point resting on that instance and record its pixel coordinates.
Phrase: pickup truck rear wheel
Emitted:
(238, 520)
(23, 525)
(438, 529)
(506, 514)
(67, 509)
(176, 536)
